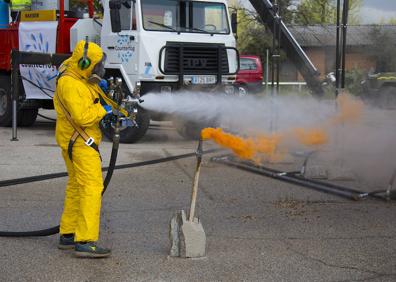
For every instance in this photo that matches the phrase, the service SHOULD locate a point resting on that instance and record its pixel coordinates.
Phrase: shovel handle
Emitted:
(195, 182)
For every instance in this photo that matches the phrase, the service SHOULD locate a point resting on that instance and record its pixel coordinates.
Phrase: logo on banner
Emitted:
(125, 50)
(39, 37)
(42, 75)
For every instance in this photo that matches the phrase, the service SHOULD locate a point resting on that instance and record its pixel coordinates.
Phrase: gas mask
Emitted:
(98, 72)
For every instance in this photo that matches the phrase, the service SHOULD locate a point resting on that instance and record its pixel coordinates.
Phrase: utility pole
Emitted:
(341, 41)
(275, 61)
(344, 39)
(275, 58)
(337, 70)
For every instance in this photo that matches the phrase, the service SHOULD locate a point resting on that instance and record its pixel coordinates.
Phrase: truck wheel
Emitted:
(5, 101)
(131, 134)
(27, 117)
(388, 97)
(241, 90)
(191, 130)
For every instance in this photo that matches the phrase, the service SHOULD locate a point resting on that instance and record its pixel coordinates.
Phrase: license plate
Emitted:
(203, 79)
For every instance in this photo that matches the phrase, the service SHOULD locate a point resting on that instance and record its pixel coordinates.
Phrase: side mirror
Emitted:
(234, 22)
(115, 6)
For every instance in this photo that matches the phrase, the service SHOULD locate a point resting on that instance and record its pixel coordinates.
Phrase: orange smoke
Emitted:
(245, 148)
(349, 109)
(311, 137)
(253, 148)
(269, 146)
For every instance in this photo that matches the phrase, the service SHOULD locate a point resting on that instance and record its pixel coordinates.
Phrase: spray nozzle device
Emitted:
(128, 103)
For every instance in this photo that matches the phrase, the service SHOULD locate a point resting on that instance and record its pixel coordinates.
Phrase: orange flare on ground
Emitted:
(349, 109)
(311, 137)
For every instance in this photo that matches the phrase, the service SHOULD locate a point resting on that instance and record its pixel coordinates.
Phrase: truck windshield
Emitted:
(185, 16)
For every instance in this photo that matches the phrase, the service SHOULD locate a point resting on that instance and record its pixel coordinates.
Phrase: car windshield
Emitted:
(248, 64)
(185, 16)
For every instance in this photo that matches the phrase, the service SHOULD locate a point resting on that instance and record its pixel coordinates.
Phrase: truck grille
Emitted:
(196, 59)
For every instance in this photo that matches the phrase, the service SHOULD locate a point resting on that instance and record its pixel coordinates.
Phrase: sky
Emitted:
(375, 10)
(372, 11)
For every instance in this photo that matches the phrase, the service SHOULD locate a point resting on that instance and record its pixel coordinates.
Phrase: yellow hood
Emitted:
(94, 54)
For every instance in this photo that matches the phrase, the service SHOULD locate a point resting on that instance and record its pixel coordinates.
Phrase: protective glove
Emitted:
(128, 123)
(104, 85)
(108, 109)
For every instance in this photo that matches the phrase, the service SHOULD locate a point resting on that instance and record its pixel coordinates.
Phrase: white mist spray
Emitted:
(368, 145)
(241, 114)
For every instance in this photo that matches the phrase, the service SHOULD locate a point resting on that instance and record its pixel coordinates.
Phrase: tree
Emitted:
(391, 21)
(82, 6)
(310, 12)
(383, 50)
(253, 36)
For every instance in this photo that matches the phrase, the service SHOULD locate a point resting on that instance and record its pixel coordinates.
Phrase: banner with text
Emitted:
(38, 37)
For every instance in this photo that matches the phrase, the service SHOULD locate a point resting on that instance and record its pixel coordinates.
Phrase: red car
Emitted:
(250, 75)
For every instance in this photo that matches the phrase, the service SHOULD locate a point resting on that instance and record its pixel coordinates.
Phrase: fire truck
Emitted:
(155, 46)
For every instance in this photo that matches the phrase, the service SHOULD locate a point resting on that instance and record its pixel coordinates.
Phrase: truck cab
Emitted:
(155, 46)
(167, 46)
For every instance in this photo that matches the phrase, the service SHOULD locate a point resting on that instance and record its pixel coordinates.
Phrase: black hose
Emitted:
(37, 178)
(114, 153)
(43, 89)
(325, 187)
(55, 230)
(45, 117)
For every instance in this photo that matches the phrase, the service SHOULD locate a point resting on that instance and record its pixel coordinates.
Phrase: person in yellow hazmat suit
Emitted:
(79, 111)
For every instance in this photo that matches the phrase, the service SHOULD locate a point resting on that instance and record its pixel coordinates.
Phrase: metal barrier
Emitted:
(300, 84)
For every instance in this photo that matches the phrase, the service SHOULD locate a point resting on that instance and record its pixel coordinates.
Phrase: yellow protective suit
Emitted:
(81, 214)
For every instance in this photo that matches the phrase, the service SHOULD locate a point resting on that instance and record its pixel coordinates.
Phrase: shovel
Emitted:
(187, 236)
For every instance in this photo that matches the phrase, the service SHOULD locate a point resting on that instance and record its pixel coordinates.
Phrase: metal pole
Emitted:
(273, 56)
(91, 8)
(266, 70)
(15, 90)
(278, 22)
(344, 39)
(337, 70)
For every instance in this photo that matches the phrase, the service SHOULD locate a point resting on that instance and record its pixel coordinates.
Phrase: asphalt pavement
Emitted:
(258, 229)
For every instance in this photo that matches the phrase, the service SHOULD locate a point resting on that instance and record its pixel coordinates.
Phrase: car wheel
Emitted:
(5, 101)
(27, 117)
(242, 90)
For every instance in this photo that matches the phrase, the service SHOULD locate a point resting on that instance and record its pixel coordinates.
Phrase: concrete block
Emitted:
(188, 239)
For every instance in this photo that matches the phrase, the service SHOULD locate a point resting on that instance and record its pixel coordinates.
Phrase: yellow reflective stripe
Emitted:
(20, 4)
(387, 78)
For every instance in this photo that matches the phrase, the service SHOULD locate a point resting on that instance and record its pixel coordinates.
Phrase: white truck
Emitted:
(165, 46)
(155, 46)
